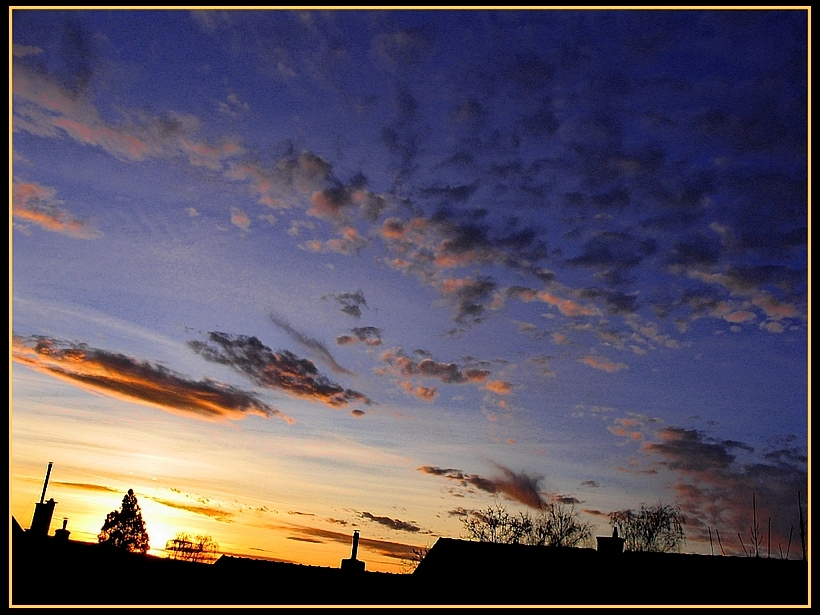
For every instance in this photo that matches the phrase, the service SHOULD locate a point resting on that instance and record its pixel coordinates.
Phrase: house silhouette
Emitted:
(47, 570)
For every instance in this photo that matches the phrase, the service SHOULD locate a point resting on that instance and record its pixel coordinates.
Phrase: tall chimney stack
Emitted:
(353, 564)
(43, 511)
(45, 484)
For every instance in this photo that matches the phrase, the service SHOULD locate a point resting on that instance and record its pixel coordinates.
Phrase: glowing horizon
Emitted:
(287, 274)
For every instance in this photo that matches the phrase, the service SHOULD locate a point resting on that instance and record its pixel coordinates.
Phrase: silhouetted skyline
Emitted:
(289, 274)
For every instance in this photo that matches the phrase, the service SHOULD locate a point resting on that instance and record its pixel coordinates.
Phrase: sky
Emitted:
(287, 274)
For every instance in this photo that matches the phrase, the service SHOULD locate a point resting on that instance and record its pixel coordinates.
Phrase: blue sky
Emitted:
(290, 273)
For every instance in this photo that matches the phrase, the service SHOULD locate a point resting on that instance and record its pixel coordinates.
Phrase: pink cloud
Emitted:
(773, 308)
(38, 204)
(240, 219)
(567, 307)
(603, 364)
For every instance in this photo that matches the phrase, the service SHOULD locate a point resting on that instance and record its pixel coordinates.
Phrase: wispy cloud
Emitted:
(393, 524)
(517, 486)
(393, 550)
(308, 342)
(208, 511)
(85, 486)
(130, 379)
(38, 204)
(603, 364)
(280, 370)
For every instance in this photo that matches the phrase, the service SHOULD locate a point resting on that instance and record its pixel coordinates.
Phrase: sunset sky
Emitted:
(287, 274)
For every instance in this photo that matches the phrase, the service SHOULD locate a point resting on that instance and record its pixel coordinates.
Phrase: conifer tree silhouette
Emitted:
(125, 529)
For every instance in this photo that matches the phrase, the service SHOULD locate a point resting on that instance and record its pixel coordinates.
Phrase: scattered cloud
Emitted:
(281, 370)
(351, 303)
(448, 373)
(370, 336)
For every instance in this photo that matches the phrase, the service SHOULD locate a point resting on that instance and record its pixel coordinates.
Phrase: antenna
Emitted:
(45, 484)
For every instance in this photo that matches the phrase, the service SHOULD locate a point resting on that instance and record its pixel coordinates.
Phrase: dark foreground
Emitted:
(46, 571)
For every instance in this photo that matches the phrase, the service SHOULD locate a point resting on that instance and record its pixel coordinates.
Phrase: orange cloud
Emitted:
(499, 386)
(567, 307)
(129, 379)
(116, 142)
(425, 393)
(38, 204)
(739, 316)
(603, 364)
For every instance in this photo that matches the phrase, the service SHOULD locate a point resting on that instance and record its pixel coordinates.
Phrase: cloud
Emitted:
(715, 487)
(393, 550)
(567, 307)
(21, 51)
(370, 336)
(519, 487)
(85, 486)
(335, 203)
(425, 393)
(281, 370)
(404, 48)
(471, 296)
(142, 382)
(393, 524)
(448, 373)
(349, 243)
(208, 511)
(32, 202)
(46, 107)
(310, 343)
(612, 253)
(351, 303)
(499, 386)
(603, 364)
(240, 219)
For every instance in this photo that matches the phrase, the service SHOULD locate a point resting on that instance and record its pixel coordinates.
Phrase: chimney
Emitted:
(62, 535)
(43, 511)
(353, 564)
(610, 545)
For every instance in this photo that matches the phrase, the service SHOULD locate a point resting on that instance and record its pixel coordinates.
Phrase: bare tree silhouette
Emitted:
(554, 525)
(657, 528)
(417, 555)
(200, 549)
